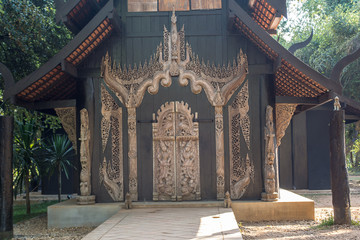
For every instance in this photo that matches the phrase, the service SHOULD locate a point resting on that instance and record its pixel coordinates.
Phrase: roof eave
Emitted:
(283, 53)
(59, 58)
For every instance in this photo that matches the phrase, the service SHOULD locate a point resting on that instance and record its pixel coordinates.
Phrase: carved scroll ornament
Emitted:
(284, 113)
(111, 173)
(67, 118)
(174, 58)
(241, 169)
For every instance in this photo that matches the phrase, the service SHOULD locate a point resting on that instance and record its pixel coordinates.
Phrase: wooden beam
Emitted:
(325, 98)
(338, 171)
(69, 68)
(260, 69)
(116, 21)
(297, 100)
(48, 104)
(352, 117)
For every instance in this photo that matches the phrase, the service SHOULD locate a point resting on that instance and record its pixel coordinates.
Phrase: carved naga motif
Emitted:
(270, 193)
(176, 154)
(241, 170)
(284, 113)
(111, 173)
(174, 58)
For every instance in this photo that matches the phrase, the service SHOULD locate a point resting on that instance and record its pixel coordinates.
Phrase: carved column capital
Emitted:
(284, 113)
(67, 118)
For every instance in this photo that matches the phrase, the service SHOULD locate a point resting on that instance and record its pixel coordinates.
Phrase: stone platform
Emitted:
(71, 214)
(290, 207)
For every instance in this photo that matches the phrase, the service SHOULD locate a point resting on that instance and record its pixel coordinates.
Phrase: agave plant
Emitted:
(58, 157)
(26, 163)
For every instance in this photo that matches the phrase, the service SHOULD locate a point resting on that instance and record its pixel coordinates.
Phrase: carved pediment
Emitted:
(174, 58)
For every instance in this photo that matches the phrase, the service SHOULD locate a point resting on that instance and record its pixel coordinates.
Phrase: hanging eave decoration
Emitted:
(174, 58)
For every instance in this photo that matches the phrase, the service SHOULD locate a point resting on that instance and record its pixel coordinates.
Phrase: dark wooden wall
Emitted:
(208, 34)
(304, 153)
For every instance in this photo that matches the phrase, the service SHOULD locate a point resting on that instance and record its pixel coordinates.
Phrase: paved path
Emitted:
(168, 223)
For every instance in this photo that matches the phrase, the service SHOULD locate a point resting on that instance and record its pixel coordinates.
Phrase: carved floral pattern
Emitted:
(241, 170)
(85, 157)
(111, 173)
(176, 154)
(284, 113)
(67, 118)
(175, 58)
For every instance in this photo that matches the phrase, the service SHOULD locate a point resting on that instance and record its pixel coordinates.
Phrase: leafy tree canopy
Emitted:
(336, 25)
(29, 35)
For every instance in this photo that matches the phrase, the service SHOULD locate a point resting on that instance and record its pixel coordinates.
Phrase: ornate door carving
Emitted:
(176, 165)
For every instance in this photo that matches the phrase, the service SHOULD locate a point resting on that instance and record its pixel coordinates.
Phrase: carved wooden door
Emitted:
(176, 165)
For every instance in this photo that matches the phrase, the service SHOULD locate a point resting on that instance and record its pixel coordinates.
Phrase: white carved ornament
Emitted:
(174, 58)
(241, 169)
(67, 118)
(111, 173)
(284, 113)
(176, 154)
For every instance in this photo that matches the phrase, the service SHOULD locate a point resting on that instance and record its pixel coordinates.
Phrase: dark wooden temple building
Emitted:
(184, 100)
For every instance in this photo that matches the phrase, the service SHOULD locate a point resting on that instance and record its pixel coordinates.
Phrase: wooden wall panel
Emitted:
(318, 146)
(299, 148)
(285, 160)
(142, 5)
(209, 37)
(205, 4)
(180, 5)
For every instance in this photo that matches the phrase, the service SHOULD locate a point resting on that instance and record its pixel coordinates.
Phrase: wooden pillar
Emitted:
(6, 190)
(219, 132)
(132, 154)
(338, 171)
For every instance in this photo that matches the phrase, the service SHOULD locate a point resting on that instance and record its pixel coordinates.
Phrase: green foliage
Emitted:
(29, 35)
(336, 27)
(327, 222)
(19, 211)
(27, 145)
(59, 153)
(352, 142)
(58, 157)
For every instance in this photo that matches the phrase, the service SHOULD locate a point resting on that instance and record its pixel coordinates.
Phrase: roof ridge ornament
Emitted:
(175, 58)
(337, 105)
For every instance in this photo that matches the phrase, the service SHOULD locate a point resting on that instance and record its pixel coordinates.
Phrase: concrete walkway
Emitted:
(169, 223)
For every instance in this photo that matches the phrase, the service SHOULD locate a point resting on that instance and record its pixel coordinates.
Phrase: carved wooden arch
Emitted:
(174, 58)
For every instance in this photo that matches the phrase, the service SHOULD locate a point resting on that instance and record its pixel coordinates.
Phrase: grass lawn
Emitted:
(19, 211)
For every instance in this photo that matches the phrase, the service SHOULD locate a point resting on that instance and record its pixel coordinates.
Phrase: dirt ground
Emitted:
(36, 228)
(310, 229)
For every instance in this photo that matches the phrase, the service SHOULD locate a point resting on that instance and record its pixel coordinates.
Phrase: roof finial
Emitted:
(173, 17)
(337, 104)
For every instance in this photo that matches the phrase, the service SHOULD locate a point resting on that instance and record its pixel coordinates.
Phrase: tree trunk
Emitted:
(338, 171)
(6, 182)
(27, 183)
(59, 183)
